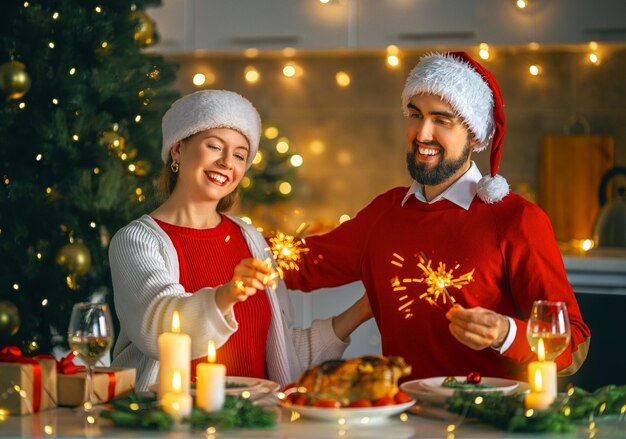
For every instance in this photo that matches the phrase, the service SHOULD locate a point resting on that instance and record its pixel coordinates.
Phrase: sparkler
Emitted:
(287, 251)
(437, 280)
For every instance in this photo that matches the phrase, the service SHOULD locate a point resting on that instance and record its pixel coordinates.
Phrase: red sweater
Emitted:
(207, 259)
(510, 244)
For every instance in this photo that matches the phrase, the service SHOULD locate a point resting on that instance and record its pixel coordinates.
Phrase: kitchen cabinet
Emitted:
(234, 25)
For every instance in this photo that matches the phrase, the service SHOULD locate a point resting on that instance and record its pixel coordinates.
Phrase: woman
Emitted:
(189, 256)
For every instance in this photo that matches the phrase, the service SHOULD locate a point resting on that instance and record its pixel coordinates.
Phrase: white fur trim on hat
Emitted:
(208, 109)
(461, 86)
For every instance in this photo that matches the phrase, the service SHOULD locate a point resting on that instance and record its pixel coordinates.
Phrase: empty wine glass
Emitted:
(90, 336)
(548, 324)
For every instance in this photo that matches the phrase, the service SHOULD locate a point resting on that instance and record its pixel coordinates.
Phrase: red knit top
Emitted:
(207, 258)
(510, 245)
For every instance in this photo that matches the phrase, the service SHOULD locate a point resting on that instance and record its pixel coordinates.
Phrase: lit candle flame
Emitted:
(175, 322)
(541, 351)
(177, 381)
(212, 352)
(538, 381)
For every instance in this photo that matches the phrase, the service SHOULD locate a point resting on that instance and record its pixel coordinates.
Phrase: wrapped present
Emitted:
(108, 382)
(27, 384)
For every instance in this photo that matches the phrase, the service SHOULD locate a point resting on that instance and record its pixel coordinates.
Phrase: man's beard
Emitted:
(440, 173)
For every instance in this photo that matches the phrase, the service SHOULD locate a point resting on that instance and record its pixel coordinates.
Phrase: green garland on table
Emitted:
(144, 412)
(508, 412)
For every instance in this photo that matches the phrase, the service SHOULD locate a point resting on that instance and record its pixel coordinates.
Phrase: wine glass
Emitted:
(90, 336)
(548, 323)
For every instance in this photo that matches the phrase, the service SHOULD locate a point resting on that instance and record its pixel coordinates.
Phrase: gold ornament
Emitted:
(114, 141)
(75, 257)
(14, 81)
(144, 28)
(9, 318)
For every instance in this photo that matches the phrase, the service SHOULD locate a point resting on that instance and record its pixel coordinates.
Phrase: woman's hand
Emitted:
(249, 277)
(478, 328)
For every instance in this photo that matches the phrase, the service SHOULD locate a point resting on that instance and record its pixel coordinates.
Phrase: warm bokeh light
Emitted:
(246, 182)
(593, 45)
(587, 244)
(343, 218)
(521, 4)
(283, 145)
(284, 188)
(258, 158)
(534, 70)
(271, 132)
(296, 160)
(392, 50)
(251, 52)
(484, 51)
(324, 1)
(288, 52)
(317, 147)
(393, 61)
(342, 78)
(251, 74)
(199, 79)
(534, 46)
(289, 70)
(594, 59)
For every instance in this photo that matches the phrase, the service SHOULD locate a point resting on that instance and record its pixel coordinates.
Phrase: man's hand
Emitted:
(478, 328)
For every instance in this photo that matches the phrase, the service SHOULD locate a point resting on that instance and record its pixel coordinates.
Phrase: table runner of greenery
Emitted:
(508, 412)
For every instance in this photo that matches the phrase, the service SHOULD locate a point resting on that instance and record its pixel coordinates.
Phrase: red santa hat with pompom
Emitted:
(473, 93)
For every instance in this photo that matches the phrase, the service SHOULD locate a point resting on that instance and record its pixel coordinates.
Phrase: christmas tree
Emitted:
(80, 149)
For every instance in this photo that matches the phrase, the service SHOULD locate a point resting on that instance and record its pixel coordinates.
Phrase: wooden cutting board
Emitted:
(570, 170)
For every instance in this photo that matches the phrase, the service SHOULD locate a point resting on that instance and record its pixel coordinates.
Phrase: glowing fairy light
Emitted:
(287, 251)
(437, 280)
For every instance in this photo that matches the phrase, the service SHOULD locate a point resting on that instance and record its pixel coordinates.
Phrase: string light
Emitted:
(594, 58)
(138, 118)
(98, 9)
(534, 70)
(521, 4)
(251, 74)
(484, 51)
(289, 70)
(283, 145)
(296, 160)
(21, 105)
(39, 157)
(271, 133)
(92, 224)
(39, 256)
(284, 188)
(342, 78)
(55, 101)
(393, 61)
(131, 167)
(72, 71)
(44, 302)
(104, 45)
(51, 44)
(96, 171)
(199, 79)
(55, 16)
(16, 286)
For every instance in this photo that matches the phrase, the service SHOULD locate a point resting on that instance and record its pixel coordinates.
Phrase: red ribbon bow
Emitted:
(13, 354)
(67, 367)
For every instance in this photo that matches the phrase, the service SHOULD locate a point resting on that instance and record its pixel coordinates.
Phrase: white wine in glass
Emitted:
(549, 322)
(90, 336)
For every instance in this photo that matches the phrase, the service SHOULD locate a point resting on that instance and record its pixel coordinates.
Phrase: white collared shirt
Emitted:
(461, 193)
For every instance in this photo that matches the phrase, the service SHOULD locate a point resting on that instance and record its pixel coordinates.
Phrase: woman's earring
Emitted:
(175, 166)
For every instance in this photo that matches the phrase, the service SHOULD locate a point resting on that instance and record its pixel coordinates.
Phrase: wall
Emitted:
(362, 129)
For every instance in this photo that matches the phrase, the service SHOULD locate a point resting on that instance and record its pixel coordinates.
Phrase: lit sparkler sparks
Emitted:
(287, 251)
(437, 280)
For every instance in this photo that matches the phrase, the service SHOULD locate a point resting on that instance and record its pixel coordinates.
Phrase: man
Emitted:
(499, 247)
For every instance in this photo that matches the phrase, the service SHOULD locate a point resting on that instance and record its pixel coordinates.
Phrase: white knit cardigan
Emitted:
(146, 287)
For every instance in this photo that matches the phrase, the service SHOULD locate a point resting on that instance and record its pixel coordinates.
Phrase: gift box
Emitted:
(27, 385)
(108, 383)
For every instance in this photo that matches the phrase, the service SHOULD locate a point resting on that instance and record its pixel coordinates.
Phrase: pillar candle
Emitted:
(174, 354)
(176, 403)
(542, 380)
(210, 386)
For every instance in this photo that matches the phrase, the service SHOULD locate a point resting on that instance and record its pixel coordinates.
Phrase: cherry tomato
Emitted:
(360, 403)
(327, 403)
(401, 397)
(385, 400)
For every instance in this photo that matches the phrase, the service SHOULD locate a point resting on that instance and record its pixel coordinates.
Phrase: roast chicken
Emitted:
(364, 378)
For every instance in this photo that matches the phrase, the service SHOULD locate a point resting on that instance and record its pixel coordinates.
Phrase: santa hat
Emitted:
(208, 109)
(473, 93)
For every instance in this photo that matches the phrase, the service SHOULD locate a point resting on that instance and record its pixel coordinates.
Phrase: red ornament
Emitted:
(473, 378)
